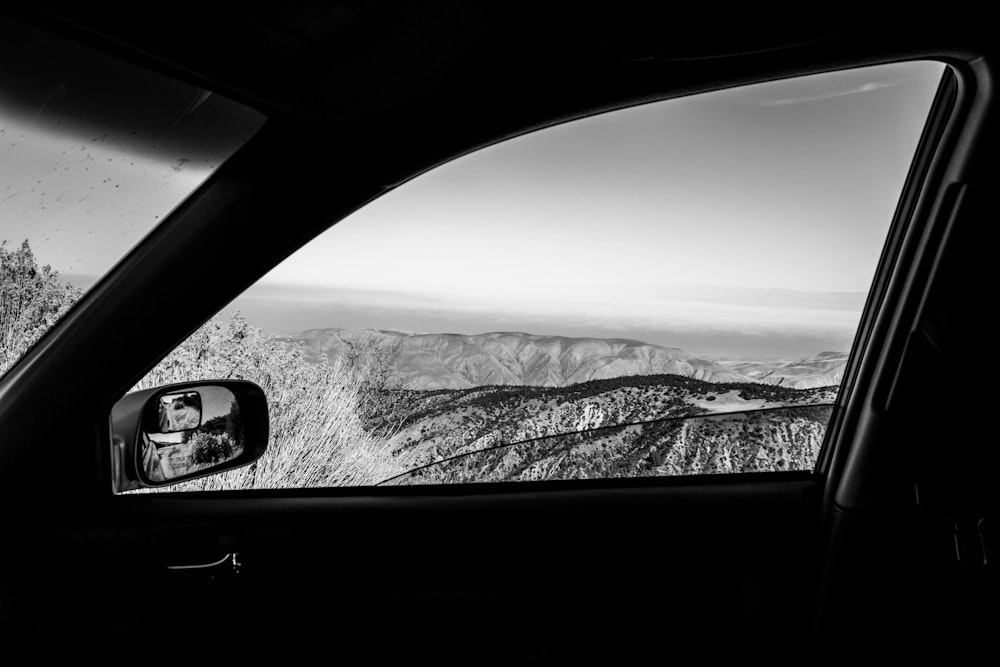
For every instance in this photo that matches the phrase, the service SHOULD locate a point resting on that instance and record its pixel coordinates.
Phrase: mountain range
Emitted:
(458, 361)
(820, 370)
(630, 408)
(430, 361)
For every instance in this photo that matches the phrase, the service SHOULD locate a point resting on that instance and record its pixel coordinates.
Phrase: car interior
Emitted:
(890, 540)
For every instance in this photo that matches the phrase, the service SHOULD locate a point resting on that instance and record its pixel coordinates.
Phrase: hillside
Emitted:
(458, 404)
(446, 423)
(820, 370)
(457, 361)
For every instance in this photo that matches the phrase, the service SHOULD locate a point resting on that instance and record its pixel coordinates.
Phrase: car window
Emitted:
(94, 152)
(668, 289)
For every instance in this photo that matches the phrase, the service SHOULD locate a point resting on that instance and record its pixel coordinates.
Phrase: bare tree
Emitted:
(372, 362)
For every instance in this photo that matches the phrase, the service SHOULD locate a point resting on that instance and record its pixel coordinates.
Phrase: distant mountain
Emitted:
(820, 370)
(457, 361)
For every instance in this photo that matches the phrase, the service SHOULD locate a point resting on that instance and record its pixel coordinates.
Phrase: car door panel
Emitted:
(620, 560)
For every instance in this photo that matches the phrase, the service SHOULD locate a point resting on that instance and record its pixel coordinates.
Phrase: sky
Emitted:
(744, 223)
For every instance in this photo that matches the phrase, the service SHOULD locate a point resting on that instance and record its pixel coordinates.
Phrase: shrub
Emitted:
(210, 448)
(32, 299)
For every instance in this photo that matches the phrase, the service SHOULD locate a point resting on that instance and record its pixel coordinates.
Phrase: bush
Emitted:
(32, 299)
(210, 448)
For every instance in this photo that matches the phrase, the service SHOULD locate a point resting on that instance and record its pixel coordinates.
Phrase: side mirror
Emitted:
(183, 431)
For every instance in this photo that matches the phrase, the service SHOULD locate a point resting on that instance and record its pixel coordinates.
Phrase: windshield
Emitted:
(94, 152)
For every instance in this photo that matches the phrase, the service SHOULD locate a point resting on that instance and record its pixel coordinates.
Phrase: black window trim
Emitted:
(897, 257)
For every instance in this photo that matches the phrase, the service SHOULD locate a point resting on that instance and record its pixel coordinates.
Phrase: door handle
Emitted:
(232, 559)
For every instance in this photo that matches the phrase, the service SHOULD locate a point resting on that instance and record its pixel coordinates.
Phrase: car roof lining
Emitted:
(307, 58)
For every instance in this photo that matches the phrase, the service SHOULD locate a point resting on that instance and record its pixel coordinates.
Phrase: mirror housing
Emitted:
(179, 432)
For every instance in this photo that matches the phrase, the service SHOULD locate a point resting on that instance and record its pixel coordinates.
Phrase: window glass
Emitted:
(667, 289)
(93, 153)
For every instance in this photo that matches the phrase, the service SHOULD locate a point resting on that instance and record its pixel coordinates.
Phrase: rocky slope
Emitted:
(466, 434)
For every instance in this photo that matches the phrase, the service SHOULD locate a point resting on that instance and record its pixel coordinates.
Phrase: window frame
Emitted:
(944, 116)
(923, 175)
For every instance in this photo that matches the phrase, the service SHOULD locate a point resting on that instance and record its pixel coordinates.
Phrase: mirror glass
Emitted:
(199, 429)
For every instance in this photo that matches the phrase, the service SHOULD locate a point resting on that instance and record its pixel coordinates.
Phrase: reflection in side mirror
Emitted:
(183, 431)
(179, 412)
(191, 440)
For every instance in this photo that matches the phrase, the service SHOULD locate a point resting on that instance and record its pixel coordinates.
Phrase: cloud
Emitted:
(864, 88)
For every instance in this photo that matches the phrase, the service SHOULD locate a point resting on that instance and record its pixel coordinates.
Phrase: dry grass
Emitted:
(317, 437)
